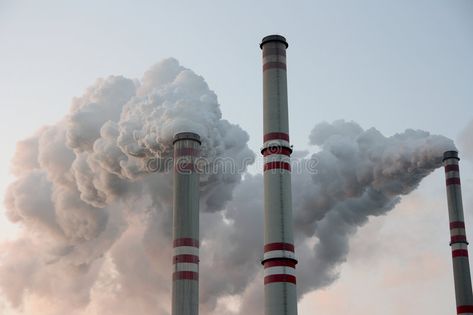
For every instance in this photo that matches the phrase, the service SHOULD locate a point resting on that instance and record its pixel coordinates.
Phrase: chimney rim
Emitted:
(186, 136)
(273, 38)
(451, 154)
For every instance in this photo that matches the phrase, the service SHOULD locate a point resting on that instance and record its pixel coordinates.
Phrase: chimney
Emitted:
(279, 260)
(458, 243)
(185, 278)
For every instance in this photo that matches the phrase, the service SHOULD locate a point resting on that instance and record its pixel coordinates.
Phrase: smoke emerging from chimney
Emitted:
(96, 236)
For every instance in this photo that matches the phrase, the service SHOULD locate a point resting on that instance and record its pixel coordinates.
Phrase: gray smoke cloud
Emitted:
(361, 173)
(97, 219)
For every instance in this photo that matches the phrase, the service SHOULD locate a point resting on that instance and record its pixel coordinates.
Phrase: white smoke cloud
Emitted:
(85, 191)
(97, 220)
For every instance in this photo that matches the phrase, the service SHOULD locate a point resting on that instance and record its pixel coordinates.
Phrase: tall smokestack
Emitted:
(185, 278)
(461, 266)
(279, 259)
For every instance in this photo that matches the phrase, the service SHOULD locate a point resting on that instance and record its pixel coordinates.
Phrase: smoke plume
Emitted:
(93, 195)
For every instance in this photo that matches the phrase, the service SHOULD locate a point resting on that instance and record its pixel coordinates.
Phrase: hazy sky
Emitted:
(386, 64)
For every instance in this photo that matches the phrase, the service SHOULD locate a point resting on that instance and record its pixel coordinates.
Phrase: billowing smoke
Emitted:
(361, 173)
(93, 195)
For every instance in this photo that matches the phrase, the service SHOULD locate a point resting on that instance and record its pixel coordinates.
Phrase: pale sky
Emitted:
(386, 64)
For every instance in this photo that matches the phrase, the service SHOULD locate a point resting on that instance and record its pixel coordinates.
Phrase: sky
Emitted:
(391, 65)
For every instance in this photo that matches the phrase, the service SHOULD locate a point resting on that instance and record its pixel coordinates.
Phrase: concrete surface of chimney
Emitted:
(458, 242)
(185, 278)
(279, 260)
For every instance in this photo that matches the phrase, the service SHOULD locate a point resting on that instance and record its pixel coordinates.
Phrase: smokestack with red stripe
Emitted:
(279, 260)
(458, 243)
(185, 278)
